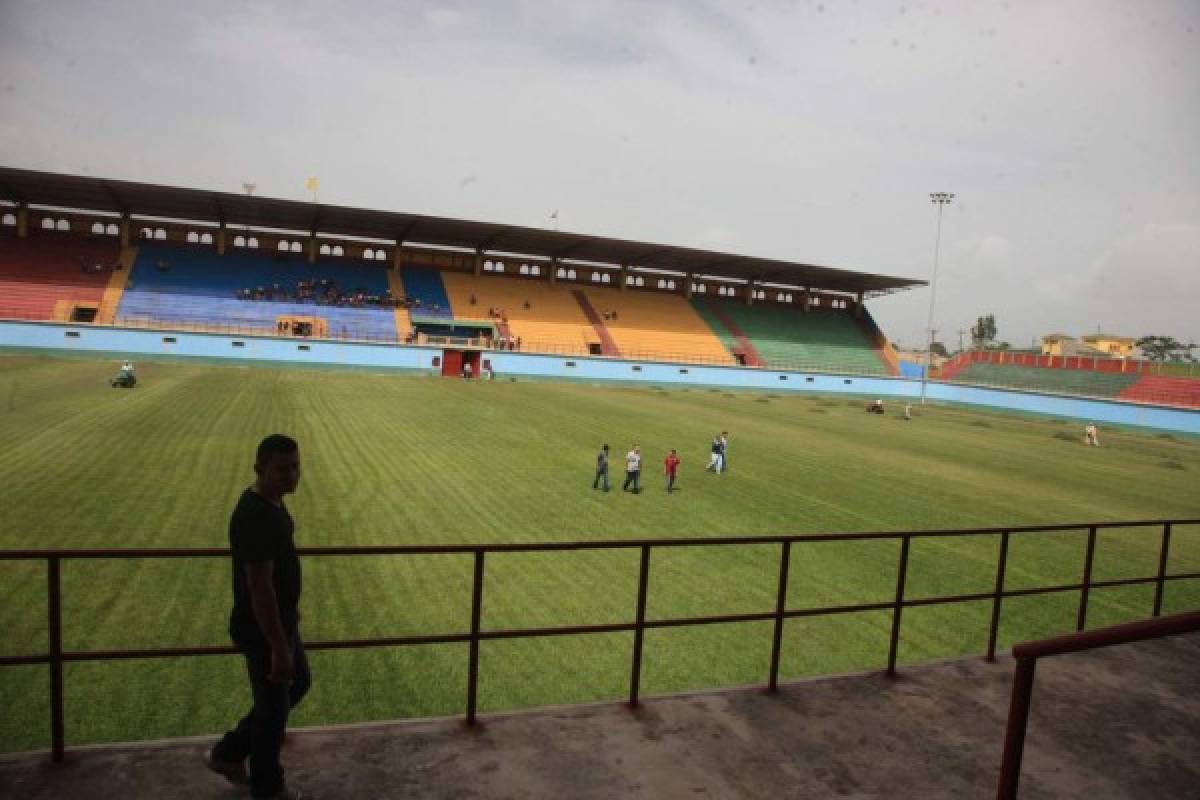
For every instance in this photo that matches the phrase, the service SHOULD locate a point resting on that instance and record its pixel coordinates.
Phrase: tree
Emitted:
(939, 349)
(1166, 348)
(984, 331)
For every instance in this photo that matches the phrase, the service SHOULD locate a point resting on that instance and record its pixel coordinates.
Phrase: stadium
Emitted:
(402, 451)
(579, 514)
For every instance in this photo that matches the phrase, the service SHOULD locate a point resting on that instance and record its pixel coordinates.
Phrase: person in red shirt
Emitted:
(670, 469)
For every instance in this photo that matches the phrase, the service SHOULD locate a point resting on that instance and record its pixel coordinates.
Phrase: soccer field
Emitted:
(393, 459)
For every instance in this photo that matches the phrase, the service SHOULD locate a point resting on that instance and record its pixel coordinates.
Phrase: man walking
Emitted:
(724, 452)
(714, 458)
(264, 621)
(601, 469)
(670, 469)
(633, 469)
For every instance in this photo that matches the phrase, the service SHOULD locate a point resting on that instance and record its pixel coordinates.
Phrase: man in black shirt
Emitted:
(264, 621)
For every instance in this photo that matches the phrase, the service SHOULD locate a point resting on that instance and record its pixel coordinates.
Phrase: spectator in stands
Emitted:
(518, 342)
(526, 305)
(671, 469)
(875, 407)
(601, 469)
(633, 470)
(1091, 436)
(466, 370)
(472, 299)
(264, 622)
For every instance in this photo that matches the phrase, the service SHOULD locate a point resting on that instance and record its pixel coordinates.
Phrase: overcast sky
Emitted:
(809, 131)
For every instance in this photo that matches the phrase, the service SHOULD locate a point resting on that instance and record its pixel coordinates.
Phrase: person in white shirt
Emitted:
(724, 466)
(1091, 436)
(633, 470)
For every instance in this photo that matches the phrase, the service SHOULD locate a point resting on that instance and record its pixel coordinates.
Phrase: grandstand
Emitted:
(55, 277)
(781, 337)
(172, 285)
(208, 261)
(1061, 381)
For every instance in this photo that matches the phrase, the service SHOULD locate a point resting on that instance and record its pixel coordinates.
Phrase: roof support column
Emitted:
(22, 221)
(220, 238)
(804, 304)
(396, 255)
(623, 276)
(858, 306)
(688, 280)
(749, 293)
(125, 223)
(553, 270)
(478, 263)
(312, 247)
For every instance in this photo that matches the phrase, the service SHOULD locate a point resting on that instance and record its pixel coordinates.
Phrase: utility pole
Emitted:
(941, 200)
(960, 339)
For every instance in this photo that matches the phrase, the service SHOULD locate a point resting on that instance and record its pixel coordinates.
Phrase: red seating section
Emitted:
(1164, 390)
(37, 272)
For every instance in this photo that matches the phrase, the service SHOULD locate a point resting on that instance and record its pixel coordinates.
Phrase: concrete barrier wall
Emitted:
(50, 336)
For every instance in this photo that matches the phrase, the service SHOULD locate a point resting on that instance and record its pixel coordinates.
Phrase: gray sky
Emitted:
(810, 131)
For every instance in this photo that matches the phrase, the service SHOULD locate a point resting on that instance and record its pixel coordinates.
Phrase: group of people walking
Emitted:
(633, 465)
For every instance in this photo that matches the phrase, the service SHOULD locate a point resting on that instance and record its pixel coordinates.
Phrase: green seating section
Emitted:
(1060, 381)
(785, 338)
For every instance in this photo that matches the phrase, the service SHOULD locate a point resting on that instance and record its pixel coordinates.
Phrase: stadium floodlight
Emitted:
(941, 200)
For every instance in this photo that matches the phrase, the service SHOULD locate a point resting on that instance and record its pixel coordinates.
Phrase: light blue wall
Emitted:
(53, 336)
(213, 346)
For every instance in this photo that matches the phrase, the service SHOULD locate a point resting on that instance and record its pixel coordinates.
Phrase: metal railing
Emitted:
(1027, 655)
(56, 657)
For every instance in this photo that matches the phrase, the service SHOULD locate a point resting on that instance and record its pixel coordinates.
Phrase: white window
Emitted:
(206, 238)
(595, 277)
(146, 233)
(535, 270)
(699, 288)
(283, 246)
(326, 250)
(524, 269)
(193, 237)
(760, 294)
(296, 247)
(381, 254)
(160, 234)
(112, 230)
(570, 274)
(9, 219)
(369, 254)
(606, 278)
(338, 250)
(47, 224)
(63, 225)
(499, 265)
(239, 241)
(98, 227)
(252, 242)
(562, 273)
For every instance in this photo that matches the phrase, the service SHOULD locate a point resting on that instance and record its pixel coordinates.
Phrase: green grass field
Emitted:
(400, 460)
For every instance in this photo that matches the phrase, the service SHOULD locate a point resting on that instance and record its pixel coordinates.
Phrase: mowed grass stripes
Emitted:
(407, 460)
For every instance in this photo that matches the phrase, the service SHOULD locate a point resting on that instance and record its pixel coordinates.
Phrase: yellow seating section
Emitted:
(553, 323)
(107, 313)
(658, 325)
(403, 319)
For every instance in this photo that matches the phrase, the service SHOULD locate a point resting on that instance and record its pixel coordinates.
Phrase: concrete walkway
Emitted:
(1117, 723)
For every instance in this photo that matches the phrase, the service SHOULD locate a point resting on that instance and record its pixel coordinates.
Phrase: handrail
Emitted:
(56, 657)
(1027, 654)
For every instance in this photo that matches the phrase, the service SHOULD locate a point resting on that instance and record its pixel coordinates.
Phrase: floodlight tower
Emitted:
(941, 200)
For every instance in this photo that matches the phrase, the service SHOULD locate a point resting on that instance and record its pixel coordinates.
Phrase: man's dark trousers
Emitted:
(260, 733)
(601, 475)
(632, 476)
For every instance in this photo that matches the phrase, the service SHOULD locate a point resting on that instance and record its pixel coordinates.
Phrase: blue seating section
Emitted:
(425, 284)
(200, 288)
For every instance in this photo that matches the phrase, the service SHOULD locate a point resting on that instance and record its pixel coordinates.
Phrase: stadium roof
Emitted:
(198, 205)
